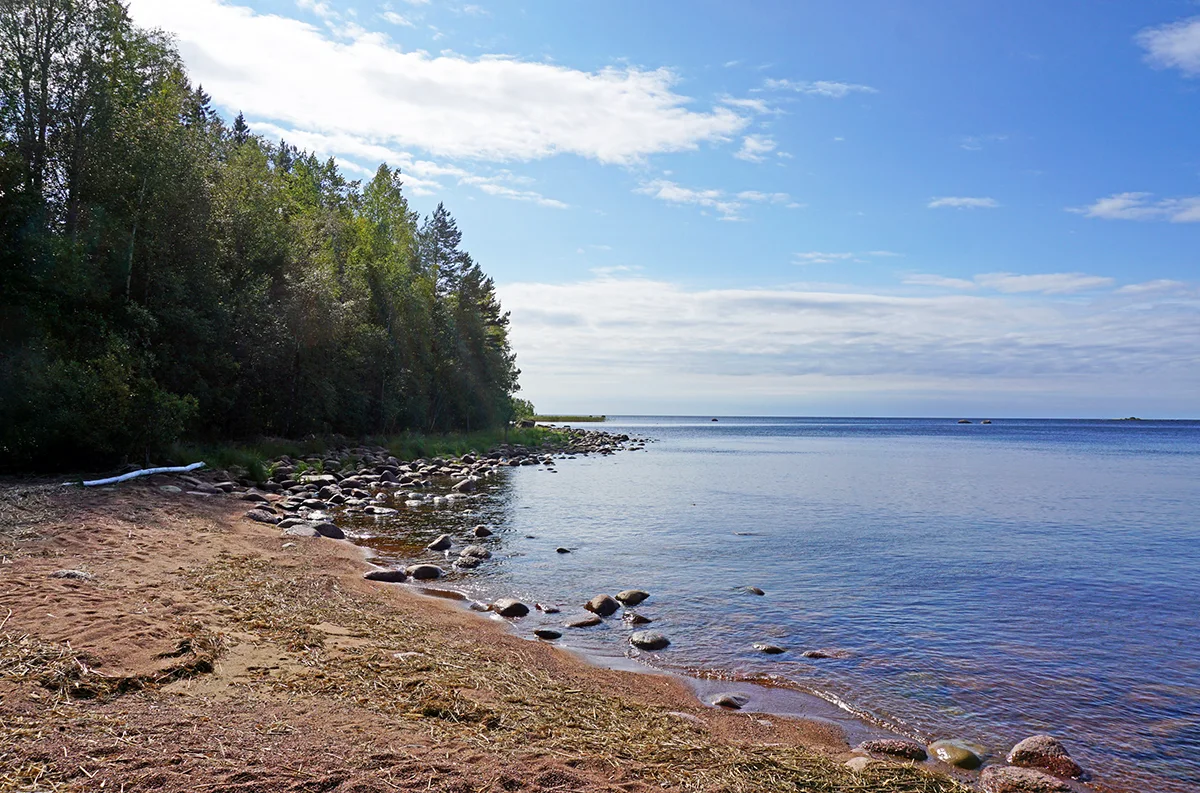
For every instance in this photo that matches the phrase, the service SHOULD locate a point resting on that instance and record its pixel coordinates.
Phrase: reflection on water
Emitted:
(986, 581)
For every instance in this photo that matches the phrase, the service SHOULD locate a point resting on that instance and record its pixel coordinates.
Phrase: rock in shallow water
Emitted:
(424, 572)
(510, 607)
(478, 551)
(604, 605)
(826, 653)
(633, 618)
(956, 753)
(649, 640)
(753, 590)
(483, 531)
(387, 576)
(632, 597)
(894, 747)
(329, 530)
(549, 634)
(769, 649)
(999, 779)
(442, 543)
(585, 622)
(732, 701)
(562, 550)
(1044, 752)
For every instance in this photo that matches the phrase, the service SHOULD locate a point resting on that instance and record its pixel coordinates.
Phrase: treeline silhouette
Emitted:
(164, 275)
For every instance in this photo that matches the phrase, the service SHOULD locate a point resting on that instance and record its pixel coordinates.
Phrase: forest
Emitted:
(166, 276)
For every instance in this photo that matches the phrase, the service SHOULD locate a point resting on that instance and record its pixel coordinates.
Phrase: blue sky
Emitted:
(862, 208)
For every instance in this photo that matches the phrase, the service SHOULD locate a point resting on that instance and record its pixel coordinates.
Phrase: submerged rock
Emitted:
(585, 622)
(956, 753)
(424, 572)
(753, 590)
(510, 607)
(387, 576)
(604, 605)
(649, 640)
(1001, 779)
(769, 649)
(442, 543)
(632, 597)
(895, 747)
(732, 701)
(826, 653)
(633, 618)
(562, 550)
(1044, 752)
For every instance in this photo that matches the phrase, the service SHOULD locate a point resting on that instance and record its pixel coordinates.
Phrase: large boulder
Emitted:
(1044, 752)
(895, 747)
(1002, 779)
(649, 640)
(604, 605)
(632, 597)
(424, 572)
(510, 607)
(956, 753)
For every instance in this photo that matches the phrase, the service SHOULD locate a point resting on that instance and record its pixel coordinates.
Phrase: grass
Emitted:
(462, 693)
(257, 458)
(561, 419)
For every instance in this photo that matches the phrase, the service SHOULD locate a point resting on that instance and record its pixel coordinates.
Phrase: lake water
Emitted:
(986, 582)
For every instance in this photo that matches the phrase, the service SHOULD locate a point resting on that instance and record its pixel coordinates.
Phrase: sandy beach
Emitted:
(203, 651)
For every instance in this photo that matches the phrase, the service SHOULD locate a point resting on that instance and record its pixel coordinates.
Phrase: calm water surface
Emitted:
(987, 581)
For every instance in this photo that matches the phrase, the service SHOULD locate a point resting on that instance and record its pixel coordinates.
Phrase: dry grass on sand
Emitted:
(204, 656)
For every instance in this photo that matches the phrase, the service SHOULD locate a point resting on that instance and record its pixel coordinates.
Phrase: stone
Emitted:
(895, 747)
(301, 530)
(632, 597)
(478, 551)
(73, 575)
(329, 530)
(546, 609)
(633, 618)
(585, 622)
(731, 701)
(769, 649)
(465, 486)
(1002, 779)
(170, 489)
(287, 523)
(510, 607)
(442, 543)
(649, 640)
(262, 516)
(753, 590)
(387, 576)
(483, 531)
(467, 562)
(251, 496)
(549, 634)
(424, 572)
(857, 764)
(562, 550)
(1046, 753)
(956, 753)
(604, 605)
(826, 653)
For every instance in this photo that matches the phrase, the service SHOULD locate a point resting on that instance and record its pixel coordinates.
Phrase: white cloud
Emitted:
(624, 342)
(729, 207)
(963, 202)
(1157, 285)
(977, 142)
(396, 19)
(1174, 46)
(827, 88)
(485, 108)
(1140, 206)
(818, 257)
(755, 148)
(1013, 283)
(754, 105)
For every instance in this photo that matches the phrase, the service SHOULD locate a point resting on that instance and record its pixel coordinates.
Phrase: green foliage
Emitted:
(522, 409)
(164, 277)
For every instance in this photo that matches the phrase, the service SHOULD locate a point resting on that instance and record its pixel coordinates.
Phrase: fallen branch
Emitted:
(112, 480)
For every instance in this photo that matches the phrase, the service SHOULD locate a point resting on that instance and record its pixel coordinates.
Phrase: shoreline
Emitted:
(825, 726)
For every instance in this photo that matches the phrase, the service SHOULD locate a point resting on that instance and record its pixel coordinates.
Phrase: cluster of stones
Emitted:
(1037, 764)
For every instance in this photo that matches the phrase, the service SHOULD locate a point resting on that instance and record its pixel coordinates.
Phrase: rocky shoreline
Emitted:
(306, 497)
